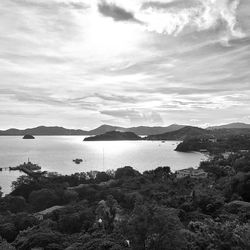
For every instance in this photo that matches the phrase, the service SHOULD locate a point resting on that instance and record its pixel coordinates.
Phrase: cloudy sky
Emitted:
(81, 63)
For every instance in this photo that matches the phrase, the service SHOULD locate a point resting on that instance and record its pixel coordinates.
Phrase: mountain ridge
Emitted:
(180, 134)
(57, 130)
(230, 126)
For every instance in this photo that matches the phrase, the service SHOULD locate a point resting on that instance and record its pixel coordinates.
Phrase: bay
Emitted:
(55, 154)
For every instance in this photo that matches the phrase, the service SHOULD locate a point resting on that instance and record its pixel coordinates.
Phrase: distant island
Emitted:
(28, 136)
(114, 136)
(55, 130)
(171, 132)
(180, 134)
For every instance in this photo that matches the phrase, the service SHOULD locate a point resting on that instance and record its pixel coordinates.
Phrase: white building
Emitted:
(191, 172)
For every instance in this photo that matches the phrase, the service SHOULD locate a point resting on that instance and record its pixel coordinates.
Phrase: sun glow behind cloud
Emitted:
(107, 37)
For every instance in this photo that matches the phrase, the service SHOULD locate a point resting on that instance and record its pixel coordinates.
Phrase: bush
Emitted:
(43, 199)
(126, 172)
(70, 223)
(8, 231)
(23, 221)
(70, 196)
(37, 239)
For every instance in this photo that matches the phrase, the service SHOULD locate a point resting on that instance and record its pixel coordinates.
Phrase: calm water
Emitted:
(55, 154)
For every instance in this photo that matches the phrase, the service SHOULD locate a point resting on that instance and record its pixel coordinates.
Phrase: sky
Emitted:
(83, 63)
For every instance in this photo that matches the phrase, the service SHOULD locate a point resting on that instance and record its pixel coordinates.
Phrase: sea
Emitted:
(56, 154)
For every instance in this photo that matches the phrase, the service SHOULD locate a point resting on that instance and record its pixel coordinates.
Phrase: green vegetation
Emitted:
(114, 136)
(125, 209)
(221, 144)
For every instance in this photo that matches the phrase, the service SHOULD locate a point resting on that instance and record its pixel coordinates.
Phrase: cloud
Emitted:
(116, 12)
(170, 4)
(62, 59)
(70, 4)
(135, 116)
(174, 17)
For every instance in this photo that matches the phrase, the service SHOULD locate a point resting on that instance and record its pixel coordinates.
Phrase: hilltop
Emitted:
(114, 136)
(43, 130)
(236, 125)
(56, 130)
(180, 134)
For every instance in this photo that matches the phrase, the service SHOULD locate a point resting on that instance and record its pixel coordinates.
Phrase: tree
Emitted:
(102, 177)
(160, 173)
(165, 231)
(70, 223)
(107, 211)
(8, 231)
(138, 225)
(23, 221)
(5, 245)
(126, 172)
(38, 238)
(70, 196)
(43, 199)
(15, 204)
(218, 235)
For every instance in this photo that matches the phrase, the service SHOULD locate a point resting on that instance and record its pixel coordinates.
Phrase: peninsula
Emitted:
(114, 136)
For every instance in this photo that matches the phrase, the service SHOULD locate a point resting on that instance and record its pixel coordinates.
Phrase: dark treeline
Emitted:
(124, 209)
(221, 144)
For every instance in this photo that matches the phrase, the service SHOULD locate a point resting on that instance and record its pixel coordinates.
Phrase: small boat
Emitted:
(77, 161)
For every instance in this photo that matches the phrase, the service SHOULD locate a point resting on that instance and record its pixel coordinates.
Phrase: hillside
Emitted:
(180, 134)
(144, 130)
(114, 136)
(237, 125)
(103, 129)
(55, 130)
(43, 130)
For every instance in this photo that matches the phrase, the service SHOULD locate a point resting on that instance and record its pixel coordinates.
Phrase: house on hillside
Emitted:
(204, 151)
(40, 215)
(191, 172)
(213, 140)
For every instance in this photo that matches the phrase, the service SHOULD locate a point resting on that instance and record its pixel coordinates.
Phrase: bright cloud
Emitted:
(174, 17)
(80, 62)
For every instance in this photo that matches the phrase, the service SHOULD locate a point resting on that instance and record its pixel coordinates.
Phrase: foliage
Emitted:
(218, 235)
(8, 231)
(43, 199)
(126, 172)
(128, 210)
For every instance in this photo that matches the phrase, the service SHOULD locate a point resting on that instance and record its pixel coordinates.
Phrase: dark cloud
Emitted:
(116, 12)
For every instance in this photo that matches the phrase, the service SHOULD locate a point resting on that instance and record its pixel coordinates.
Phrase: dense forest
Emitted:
(215, 145)
(125, 209)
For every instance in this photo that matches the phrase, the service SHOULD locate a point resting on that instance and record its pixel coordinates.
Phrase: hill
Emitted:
(144, 130)
(237, 125)
(180, 134)
(55, 130)
(104, 129)
(114, 136)
(43, 130)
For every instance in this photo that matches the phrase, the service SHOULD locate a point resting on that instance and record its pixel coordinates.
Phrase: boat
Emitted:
(77, 161)
(26, 165)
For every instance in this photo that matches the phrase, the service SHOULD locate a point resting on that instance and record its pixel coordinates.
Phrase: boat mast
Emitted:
(103, 158)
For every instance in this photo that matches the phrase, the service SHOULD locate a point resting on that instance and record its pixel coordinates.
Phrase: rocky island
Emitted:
(28, 136)
(114, 136)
